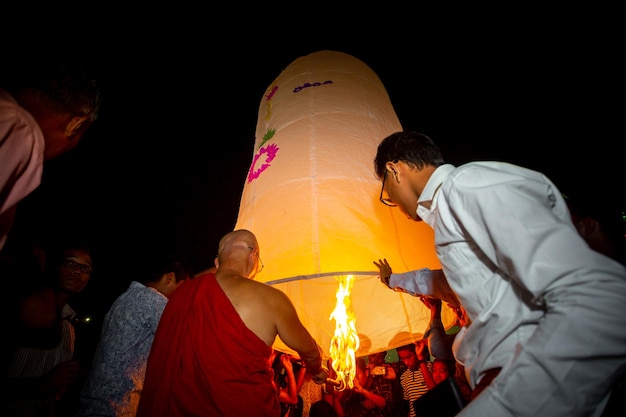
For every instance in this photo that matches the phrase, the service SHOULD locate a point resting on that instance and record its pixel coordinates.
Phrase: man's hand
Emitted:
(321, 376)
(420, 347)
(385, 271)
(286, 361)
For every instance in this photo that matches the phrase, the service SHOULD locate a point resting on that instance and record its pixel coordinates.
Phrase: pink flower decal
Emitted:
(269, 154)
(271, 93)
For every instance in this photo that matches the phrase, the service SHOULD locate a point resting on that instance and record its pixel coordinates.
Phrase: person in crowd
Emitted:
(41, 367)
(529, 283)
(309, 391)
(116, 376)
(439, 342)
(369, 397)
(377, 368)
(442, 369)
(417, 379)
(287, 384)
(322, 408)
(446, 398)
(44, 112)
(211, 350)
(312, 393)
(440, 345)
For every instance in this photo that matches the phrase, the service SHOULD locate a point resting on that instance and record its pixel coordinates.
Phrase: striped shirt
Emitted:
(413, 386)
(27, 362)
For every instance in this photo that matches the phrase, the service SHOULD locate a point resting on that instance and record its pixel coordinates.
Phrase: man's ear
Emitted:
(74, 125)
(395, 171)
(167, 278)
(392, 169)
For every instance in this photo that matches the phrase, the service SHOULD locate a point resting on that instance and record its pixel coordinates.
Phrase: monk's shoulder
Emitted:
(264, 288)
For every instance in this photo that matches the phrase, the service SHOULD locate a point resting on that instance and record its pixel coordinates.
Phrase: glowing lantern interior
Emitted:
(311, 198)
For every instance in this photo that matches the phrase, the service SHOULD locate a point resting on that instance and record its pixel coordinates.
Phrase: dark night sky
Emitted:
(164, 166)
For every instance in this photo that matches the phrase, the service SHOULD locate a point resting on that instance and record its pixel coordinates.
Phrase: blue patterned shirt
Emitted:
(116, 377)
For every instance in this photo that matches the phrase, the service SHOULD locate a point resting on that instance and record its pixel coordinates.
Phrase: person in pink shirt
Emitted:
(44, 112)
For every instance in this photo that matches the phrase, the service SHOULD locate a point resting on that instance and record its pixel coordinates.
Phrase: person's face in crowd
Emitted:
(62, 131)
(75, 271)
(440, 371)
(361, 376)
(376, 359)
(409, 358)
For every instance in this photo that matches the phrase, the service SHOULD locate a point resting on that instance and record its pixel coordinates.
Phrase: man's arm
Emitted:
(293, 333)
(425, 281)
(423, 364)
(439, 343)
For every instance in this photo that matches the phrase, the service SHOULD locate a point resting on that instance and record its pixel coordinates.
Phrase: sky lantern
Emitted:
(312, 199)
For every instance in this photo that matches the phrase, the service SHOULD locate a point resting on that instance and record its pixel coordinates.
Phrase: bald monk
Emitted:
(211, 350)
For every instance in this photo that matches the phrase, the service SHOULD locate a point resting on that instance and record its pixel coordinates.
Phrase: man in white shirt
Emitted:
(546, 311)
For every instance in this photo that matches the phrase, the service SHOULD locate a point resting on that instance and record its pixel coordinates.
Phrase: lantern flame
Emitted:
(345, 342)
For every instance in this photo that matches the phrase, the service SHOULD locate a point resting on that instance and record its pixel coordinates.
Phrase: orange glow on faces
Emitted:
(345, 342)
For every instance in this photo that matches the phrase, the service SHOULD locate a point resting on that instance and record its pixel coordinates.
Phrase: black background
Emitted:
(164, 166)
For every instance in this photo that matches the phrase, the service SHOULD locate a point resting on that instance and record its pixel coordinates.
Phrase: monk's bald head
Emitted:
(239, 250)
(239, 239)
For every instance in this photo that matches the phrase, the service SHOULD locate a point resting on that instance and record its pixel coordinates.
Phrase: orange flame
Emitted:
(345, 342)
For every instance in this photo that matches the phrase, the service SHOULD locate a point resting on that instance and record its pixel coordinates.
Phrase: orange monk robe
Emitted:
(204, 361)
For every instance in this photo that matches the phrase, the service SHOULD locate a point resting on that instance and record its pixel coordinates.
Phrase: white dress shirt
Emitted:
(542, 305)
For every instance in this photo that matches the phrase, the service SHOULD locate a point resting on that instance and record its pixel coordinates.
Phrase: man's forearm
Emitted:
(430, 282)
(313, 360)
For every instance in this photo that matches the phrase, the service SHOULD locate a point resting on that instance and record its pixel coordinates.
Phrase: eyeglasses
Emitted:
(386, 201)
(259, 258)
(85, 269)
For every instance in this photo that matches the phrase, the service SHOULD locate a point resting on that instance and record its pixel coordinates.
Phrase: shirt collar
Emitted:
(426, 203)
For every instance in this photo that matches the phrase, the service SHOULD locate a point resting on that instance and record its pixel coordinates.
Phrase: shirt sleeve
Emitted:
(425, 281)
(21, 155)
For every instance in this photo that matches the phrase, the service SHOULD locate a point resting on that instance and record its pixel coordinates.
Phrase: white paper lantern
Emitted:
(311, 198)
